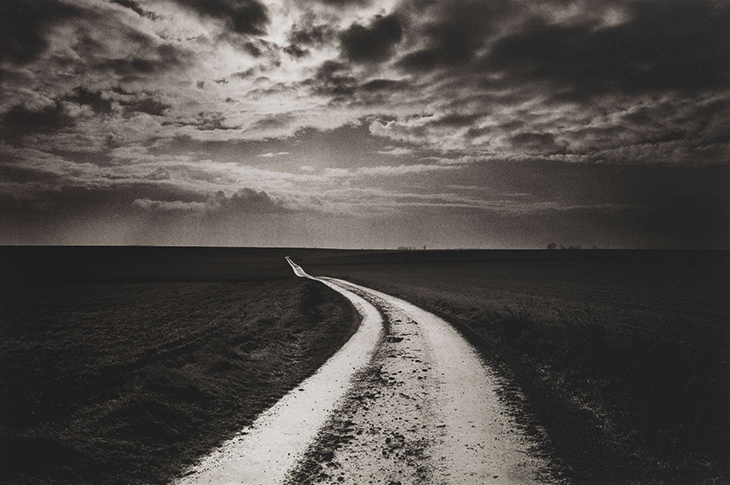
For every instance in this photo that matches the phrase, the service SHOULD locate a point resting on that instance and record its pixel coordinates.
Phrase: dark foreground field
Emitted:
(622, 355)
(124, 365)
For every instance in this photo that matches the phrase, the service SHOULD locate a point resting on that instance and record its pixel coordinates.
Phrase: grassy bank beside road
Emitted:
(129, 382)
(622, 355)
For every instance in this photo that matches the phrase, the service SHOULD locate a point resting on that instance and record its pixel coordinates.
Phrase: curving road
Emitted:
(413, 404)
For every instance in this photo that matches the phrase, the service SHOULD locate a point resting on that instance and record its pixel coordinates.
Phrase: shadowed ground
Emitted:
(129, 382)
(622, 355)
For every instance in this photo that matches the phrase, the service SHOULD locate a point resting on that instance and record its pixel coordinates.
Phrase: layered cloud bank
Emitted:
(449, 123)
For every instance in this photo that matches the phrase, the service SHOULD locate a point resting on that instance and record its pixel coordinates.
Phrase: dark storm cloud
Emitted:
(245, 74)
(542, 143)
(384, 85)
(20, 121)
(295, 51)
(374, 42)
(93, 99)
(307, 34)
(24, 25)
(204, 121)
(666, 45)
(50, 195)
(627, 81)
(241, 16)
(459, 31)
(149, 105)
(653, 131)
(211, 121)
(253, 49)
(333, 78)
(456, 120)
(92, 42)
(136, 8)
(473, 133)
(130, 4)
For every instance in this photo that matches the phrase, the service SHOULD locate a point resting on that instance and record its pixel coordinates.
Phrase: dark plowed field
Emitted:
(131, 381)
(623, 355)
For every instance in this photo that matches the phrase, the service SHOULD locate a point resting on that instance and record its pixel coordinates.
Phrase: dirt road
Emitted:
(266, 451)
(418, 407)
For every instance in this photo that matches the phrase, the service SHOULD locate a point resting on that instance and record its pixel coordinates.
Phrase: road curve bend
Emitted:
(427, 412)
(264, 452)
(415, 405)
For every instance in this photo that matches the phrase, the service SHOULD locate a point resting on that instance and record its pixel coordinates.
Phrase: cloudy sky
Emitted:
(365, 123)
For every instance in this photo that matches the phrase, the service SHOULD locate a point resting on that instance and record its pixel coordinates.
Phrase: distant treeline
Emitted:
(553, 245)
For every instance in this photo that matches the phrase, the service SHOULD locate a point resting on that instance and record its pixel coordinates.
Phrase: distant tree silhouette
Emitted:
(553, 245)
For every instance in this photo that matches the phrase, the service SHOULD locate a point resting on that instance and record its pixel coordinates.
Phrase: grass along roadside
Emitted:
(131, 382)
(625, 396)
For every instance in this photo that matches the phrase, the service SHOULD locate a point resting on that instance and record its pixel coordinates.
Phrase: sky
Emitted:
(366, 123)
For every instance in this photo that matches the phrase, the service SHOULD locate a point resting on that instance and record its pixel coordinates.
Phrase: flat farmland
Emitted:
(131, 379)
(114, 264)
(622, 355)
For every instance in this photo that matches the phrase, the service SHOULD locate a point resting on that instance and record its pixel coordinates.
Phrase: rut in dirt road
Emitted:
(425, 411)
